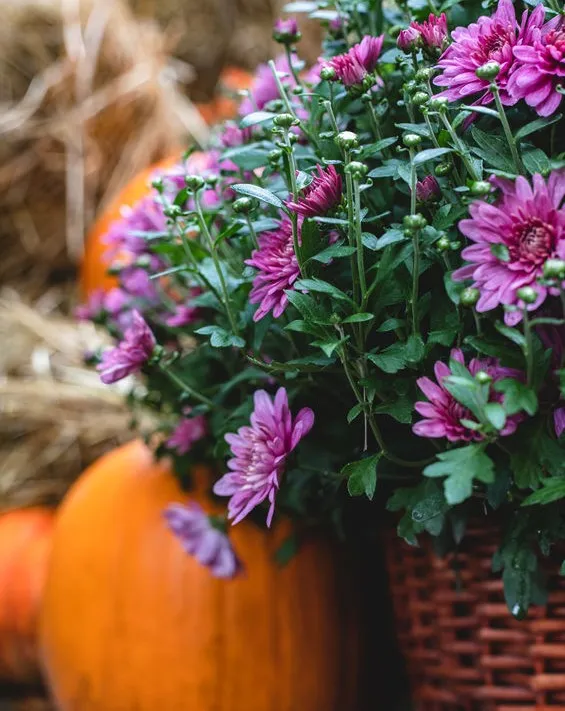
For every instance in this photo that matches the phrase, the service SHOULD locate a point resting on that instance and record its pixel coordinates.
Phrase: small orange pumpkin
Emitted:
(25, 542)
(129, 621)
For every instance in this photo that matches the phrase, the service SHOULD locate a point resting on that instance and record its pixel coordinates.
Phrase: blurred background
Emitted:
(92, 93)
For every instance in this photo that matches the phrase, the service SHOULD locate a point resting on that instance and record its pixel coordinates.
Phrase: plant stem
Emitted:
(359, 242)
(288, 104)
(252, 232)
(351, 226)
(194, 264)
(460, 147)
(506, 128)
(329, 108)
(528, 349)
(217, 265)
(185, 387)
(294, 73)
(294, 191)
(416, 247)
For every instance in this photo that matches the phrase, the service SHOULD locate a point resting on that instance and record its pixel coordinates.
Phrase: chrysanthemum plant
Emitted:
(358, 290)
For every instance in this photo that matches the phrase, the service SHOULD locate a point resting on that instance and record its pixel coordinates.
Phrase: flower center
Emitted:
(532, 241)
(491, 45)
(557, 39)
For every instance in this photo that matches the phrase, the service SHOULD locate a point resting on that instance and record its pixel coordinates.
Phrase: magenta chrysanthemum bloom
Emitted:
(541, 68)
(260, 451)
(183, 316)
(408, 39)
(428, 190)
(443, 414)
(513, 239)
(353, 66)
(264, 87)
(489, 39)
(433, 31)
(101, 302)
(286, 30)
(321, 195)
(202, 539)
(278, 269)
(131, 354)
(188, 431)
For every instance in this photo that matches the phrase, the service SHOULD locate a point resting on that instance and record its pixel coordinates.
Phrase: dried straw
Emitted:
(89, 96)
(55, 415)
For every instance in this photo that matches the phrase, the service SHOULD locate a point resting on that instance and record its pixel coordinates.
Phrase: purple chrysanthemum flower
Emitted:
(443, 414)
(130, 354)
(513, 240)
(260, 451)
(489, 39)
(433, 31)
(321, 195)
(428, 190)
(101, 302)
(408, 39)
(286, 30)
(264, 87)
(188, 431)
(354, 65)
(278, 269)
(541, 68)
(182, 316)
(200, 538)
(559, 420)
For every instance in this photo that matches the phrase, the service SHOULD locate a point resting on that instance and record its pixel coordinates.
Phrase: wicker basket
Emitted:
(463, 649)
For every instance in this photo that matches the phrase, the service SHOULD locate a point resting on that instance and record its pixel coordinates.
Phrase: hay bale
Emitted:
(89, 97)
(55, 415)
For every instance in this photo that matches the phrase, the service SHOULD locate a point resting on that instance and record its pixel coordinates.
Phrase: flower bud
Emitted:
(438, 103)
(285, 120)
(286, 31)
(420, 98)
(424, 74)
(356, 169)
(158, 185)
(442, 169)
(483, 378)
(347, 140)
(414, 222)
(244, 205)
(428, 190)
(527, 294)
(470, 296)
(275, 155)
(172, 211)
(489, 71)
(408, 40)
(554, 269)
(411, 140)
(212, 180)
(327, 73)
(443, 244)
(194, 182)
(480, 187)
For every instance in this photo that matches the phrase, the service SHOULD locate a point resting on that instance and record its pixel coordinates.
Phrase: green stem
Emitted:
(460, 148)
(294, 191)
(295, 76)
(506, 128)
(217, 265)
(252, 232)
(329, 108)
(185, 387)
(288, 104)
(351, 225)
(528, 349)
(359, 242)
(416, 247)
(195, 269)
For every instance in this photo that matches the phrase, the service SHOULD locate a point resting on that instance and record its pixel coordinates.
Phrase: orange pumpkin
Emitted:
(25, 543)
(129, 621)
(93, 271)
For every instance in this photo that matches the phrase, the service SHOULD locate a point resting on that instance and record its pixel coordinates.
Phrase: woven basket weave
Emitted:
(463, 649)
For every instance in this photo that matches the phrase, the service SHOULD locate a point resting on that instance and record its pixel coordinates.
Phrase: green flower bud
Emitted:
(158, 184)
(172, 211)
(424, 74)
(194, 182)
(244, 205)
(285, 120)
(489, 71)
(347, 140)
(292, 138)
(480, 187)
(527, 294)
(420, 98)
(327, 73)
(212, 180)
(455, 245)
(326, 135)
(483, 378)
(554, 269)
(442, 169)
(356, 169)
(297, 90)
(411, 140)
(414, 222)
(470, 296)
(443, 244)
(275, 155)
(143, 261)
(438, 103)
(411, 86)
(368, 82)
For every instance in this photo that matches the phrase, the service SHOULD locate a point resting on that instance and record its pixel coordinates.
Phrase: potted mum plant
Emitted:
(358, 291)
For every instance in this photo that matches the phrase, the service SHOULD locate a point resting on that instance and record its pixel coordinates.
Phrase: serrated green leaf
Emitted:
(321, 287)
(391, 359)
(334, 251)
(461, 467)
(552, 490)
(415, 349)
(518, 397)
(362, 476)
(536, 161)
(495, 414)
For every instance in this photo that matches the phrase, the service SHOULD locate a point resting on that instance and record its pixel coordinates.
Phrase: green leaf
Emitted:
(461, 467)
(391, 359)
(536, 161)
(388, 170)
(421, 129)
(228, 232)
(553, 490)
(493, 148)
(390, 237)
(322, 287)
(370, 241)
(415, 349)
(354, 413)
(256, 117)
(391, 324)
(261, 194)
(453, 288)
(334, 251)
(362, 476)
(358, 318)
(518, 397)
(220, 338)
(537, 125)
(300, 326)
(401, 410)
(511, 333)
(500, 251)
(430, 154)
(309, 309)
(495, 415)
(329, 345)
